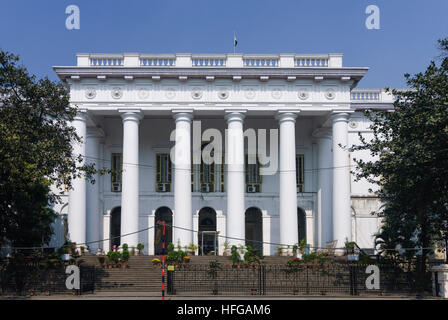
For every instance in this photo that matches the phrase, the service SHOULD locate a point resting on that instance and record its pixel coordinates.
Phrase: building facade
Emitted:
(284, 173)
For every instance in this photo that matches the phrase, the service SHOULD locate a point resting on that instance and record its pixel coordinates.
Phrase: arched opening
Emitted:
(254, 228)
(162, 214)
(301, 223)
(115, 227)
(207, 240)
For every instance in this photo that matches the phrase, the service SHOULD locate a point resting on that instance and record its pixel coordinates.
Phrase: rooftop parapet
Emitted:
(136, 60)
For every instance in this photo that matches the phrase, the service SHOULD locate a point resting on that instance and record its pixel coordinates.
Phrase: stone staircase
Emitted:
(140, 276)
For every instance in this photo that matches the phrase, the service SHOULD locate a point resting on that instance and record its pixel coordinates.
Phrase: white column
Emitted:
(93, 191)
(183, 216)
(77, 195)
(288, 186)
(235, 179)
(130, 178)
(324, 188)
(106, 232)
(342, 223)
(151, 232)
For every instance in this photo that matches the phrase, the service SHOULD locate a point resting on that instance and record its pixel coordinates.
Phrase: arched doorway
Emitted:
(162, 214)
(301, 223)
(254, 228)
(207, 240)
(115, 227)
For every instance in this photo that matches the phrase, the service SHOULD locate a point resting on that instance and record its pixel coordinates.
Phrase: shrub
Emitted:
(140, 247)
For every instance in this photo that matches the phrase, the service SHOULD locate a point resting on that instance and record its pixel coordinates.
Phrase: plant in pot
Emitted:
(101, 260)
(295, 248)
(83, 250)
(140, 248)
(191, 249)
(303, 245)
(235, 256)
(65, 252)
(226, 248)
(214, 267)
(280, 250)
(132, 251)
(187, 260)
(124, 259)
(350, 247)
(242, 251)
(156, 262)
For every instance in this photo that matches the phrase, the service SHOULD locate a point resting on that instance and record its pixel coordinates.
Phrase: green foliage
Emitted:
(35, 153)
(411, 148)
(192, 247)
(125, 247)
(214, 267)
(170, 247)
(125, 255)
(140, 247)
(235, 255)
(114, 256)
(252, 255)
(176, 256)
(312, 259)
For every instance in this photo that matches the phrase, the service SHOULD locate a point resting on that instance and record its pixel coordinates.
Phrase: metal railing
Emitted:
(280, 280)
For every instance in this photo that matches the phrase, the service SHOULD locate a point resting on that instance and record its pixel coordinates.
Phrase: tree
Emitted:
(410, 145)
(35, 153)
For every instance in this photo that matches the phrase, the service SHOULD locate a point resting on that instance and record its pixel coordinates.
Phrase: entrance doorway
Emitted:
(207, 231)
(115, 227)
(301, 223)
(162, 214)
(254, 228)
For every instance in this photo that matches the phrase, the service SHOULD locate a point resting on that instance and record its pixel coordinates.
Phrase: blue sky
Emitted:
(406, 41)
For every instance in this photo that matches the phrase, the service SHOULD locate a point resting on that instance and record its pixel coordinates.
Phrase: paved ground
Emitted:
(152, 296)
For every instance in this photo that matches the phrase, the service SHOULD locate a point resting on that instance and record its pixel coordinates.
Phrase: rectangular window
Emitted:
(221, 172)
(253, 177)
(300, 172)
(117, 167)
(207, 172)
(163, 178)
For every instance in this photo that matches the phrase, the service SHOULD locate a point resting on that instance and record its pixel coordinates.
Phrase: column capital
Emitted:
(131, 115)
(341, 115)
(287, 115)
(182, 115)
(235, 115)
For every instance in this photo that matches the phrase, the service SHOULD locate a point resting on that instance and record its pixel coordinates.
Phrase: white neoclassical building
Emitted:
(134, 107)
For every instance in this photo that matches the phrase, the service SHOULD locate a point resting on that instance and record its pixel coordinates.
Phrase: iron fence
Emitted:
(36, 278)
(281, 280)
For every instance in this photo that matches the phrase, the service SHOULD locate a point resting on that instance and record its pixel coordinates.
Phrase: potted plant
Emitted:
(140, 248)
(124, 259)
(295, 248)
(235, 256)
(132, 251)
(280, 250)
(187, 260)
(156, 262)
(226, 249)
(191, 249)
(65, 252)
(241, 250)
(214, 267)
(83, 249)
(350, 247)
